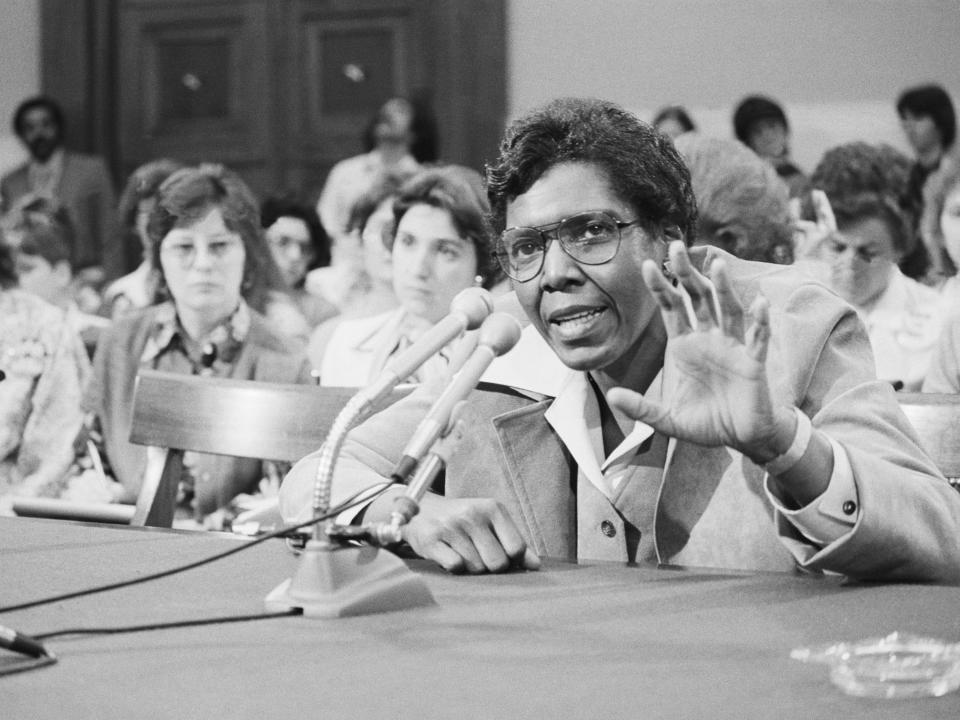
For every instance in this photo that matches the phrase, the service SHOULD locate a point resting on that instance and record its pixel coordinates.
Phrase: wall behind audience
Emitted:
(837, 65)
(19, 70)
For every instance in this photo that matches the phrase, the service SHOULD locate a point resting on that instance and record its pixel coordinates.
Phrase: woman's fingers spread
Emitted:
(671, 303)
(731, 309)
(700, 291)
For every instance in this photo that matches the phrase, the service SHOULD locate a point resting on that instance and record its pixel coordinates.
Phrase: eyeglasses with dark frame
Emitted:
(591, 238)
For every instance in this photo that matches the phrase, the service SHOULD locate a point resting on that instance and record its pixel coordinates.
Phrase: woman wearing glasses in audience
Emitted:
(868, 217)
(440, 245)
(216, 269)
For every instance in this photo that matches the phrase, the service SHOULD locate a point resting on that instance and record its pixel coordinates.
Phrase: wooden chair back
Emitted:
(221, 416)
(936, 418)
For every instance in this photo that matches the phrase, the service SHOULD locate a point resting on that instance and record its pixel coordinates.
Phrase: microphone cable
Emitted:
(49, 659)
(355, 499)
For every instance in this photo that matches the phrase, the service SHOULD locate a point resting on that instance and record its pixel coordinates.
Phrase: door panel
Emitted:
(354, 57)
(192, 81)
(277, 89)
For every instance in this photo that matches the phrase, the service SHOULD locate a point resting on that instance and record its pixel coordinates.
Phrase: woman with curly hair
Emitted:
(867, 188)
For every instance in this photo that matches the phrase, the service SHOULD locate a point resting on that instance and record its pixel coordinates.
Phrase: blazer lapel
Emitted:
(540, 474)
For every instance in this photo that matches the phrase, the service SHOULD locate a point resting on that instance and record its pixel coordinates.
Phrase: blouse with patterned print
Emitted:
(45, 368)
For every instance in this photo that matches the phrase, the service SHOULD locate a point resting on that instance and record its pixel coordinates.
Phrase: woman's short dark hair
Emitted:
(931, 101)
(864, 181)
(32, 103)
(188, 195)
(45, 236)
(459, 191)
(288, 205)
(752, 109)
(643, 166)
(677, 113)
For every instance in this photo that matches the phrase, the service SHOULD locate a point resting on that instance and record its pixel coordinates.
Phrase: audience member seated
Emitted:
(673, 121)
(205, 239)
(762, 439)
(42, 260)
(43, 368)
(940, 229)
(930, 126)
(371, 225)
(298, 244)
(440, 246)
(400, 136)
(941, 233)
(761, 124)
(743, 205)
(81, 183)
(872, 229)
(138, 289)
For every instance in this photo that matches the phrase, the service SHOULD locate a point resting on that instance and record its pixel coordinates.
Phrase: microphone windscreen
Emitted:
(500, 332)
(474, 303)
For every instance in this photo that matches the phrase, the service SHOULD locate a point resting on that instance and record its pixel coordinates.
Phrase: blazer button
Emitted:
(849, 507)
(608, 529)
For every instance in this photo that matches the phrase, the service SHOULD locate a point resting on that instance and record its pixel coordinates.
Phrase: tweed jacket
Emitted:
(710, 508)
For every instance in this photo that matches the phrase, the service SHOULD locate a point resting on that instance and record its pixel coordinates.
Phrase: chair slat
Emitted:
(936, 418)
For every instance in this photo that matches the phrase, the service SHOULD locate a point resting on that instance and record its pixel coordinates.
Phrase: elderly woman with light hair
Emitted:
(743, 204)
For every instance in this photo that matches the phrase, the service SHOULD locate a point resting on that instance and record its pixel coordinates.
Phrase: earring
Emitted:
(478, 280)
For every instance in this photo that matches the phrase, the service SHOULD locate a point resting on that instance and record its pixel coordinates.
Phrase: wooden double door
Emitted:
(279, 90)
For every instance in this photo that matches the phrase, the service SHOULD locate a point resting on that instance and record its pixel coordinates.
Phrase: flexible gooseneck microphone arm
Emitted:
(467, 311)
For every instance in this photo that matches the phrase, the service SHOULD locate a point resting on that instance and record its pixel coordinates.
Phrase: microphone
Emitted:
(467, 310)
(498, 334)
(20, 643)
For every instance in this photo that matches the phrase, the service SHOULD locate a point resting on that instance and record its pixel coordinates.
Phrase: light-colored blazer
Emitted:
(711, 510)
(87, 192)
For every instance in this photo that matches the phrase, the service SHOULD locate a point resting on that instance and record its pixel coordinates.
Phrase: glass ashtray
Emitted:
(896, 666)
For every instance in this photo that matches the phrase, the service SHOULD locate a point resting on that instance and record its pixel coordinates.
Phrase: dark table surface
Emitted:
(568, 641)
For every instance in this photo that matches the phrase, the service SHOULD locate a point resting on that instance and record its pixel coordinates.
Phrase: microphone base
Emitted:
(342, 580)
